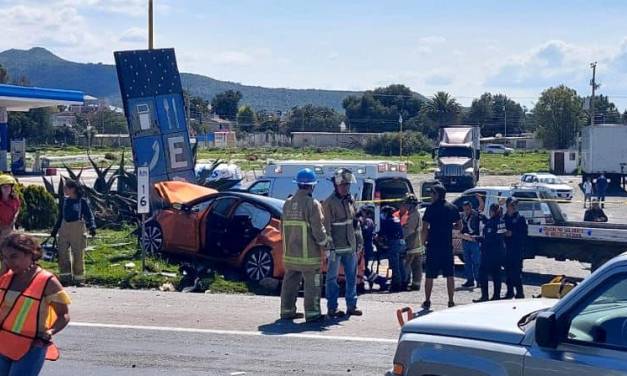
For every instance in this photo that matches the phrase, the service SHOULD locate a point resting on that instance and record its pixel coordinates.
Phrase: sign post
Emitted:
(143, 204)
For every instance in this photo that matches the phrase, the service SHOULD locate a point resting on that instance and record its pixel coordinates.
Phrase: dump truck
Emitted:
(457, 156)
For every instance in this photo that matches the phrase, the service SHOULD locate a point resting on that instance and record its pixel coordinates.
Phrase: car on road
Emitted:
(584, 333)
(239, 229)
(549, 182)
(497, 149)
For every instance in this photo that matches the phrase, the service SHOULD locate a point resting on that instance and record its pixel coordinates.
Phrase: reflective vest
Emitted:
(340, 223)
(18, 330)
(303, 232)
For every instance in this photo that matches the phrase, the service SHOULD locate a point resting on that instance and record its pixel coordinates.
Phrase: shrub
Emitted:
(110, 156)
(39, 209)
(389, 144)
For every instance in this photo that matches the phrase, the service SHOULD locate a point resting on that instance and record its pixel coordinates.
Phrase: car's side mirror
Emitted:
(177, 206)
(546, 330)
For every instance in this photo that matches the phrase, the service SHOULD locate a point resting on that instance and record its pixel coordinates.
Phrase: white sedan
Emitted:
(550, 183)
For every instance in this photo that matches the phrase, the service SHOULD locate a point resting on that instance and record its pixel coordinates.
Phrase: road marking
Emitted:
(232, 332)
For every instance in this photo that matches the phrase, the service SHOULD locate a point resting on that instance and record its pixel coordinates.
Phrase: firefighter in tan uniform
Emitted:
(304, 241)
(410, 218)
(345, 242)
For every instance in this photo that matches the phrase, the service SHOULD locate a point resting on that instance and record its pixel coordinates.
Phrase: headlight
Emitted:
(470, 171)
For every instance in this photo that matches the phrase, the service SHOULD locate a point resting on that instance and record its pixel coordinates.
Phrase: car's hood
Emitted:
(490, 321)
(561, 187)
(181, 192)
(454, 161)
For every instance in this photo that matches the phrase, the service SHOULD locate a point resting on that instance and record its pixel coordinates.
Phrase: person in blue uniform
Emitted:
(515, 237)
(492, 253)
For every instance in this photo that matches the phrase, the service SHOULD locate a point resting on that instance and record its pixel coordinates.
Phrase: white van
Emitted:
(376, 180)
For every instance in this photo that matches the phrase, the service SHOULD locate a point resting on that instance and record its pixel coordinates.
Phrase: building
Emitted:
(564, 162)
(522, 142)
(331, 139)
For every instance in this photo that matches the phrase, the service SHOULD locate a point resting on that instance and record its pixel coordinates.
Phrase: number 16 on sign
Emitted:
(143, 190)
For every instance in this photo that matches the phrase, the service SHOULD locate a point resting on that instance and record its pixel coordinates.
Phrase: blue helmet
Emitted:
(306, 176)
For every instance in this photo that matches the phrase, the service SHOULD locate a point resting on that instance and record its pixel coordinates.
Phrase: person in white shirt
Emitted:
(587, 191)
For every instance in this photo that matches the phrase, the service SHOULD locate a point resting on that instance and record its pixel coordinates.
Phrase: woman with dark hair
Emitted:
(33, 308)
(74, 216)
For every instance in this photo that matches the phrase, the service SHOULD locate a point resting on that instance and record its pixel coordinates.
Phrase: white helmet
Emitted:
(344, 176)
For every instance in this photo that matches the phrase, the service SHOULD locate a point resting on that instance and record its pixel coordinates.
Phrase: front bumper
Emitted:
(456, 181)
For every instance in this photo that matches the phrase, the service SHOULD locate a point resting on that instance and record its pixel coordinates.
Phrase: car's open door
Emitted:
(245, 224)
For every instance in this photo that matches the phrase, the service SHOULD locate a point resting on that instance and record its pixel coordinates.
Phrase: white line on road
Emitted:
(232, 332)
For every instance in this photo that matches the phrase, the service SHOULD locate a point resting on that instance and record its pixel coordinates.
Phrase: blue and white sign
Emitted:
(151, 90)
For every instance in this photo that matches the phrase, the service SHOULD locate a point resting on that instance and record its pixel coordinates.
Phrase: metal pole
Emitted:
(594, 87)
(505, 112)
(150, 26)
(140, 243)
(400, 121)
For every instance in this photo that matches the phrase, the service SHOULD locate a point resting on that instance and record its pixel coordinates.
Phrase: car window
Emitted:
(256, 216)
(603, 321)
(391, 188)
(260, 187)
(366, 194)
(222, 206)
(202, 205)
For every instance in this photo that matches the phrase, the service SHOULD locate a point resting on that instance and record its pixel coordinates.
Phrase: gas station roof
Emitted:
(20, 98)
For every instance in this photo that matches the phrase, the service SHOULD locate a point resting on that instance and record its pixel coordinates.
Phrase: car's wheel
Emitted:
(152, 238)
(259, 264)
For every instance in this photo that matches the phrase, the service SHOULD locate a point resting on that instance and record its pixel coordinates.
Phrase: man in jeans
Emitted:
(437, 235)
(392, 232)
(345, 241)
(472, 251)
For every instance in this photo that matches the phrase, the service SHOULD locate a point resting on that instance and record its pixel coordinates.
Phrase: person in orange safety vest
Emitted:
(33, 308)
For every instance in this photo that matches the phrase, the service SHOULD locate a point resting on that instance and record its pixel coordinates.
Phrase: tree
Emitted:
(198, 113)
(312, 118)
(268, 121)
(494, 112)
(379, 110)
(605, 112)
(34, 125)
(559, 116)
(442, 108)
(246, 119)
(4, 75)
(226, 104)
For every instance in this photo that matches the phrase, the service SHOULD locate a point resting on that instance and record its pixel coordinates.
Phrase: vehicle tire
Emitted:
(152, 238)
(258, 264)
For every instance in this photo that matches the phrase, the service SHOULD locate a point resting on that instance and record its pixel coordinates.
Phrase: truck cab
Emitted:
(457, 157)
(583, 334)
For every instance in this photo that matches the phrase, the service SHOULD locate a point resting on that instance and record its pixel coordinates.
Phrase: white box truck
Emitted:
(604, 151)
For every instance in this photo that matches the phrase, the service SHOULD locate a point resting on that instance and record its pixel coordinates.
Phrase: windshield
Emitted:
(551, 180)
(455, 151)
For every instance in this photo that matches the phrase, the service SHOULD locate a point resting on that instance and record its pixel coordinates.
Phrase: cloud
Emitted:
(134, 35)
(432, 39)
(438, 79)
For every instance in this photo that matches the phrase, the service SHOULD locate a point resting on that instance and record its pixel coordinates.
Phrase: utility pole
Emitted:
(150, 27)
(594, 85)
(505, 112)
(400, 122)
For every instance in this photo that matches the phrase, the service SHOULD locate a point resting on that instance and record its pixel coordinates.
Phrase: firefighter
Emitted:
(304, 240)
(411, 232)
(516, 226)
(492, 253)
(345, 240)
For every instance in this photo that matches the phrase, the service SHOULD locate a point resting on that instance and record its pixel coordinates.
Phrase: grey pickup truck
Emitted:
(583, 334)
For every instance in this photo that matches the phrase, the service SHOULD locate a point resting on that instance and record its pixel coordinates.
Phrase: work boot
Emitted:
(426, 305)
(520, 294)
(315, 319)
(354, 312)
(468, 284)
(332, 313)
(414, 287)
(481, 299)
(294, 316)
(451, 304)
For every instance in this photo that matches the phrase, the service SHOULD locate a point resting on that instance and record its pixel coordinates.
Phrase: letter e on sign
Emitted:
(177, 156)
(143, 190)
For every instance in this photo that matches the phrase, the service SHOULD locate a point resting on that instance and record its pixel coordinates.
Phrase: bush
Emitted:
(39, 209)
(110, 156)
(389, 144)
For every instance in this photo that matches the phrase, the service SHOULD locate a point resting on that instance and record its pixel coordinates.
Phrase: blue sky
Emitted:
(464, 47)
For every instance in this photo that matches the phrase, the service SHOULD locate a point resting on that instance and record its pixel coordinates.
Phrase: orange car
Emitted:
(240, 229)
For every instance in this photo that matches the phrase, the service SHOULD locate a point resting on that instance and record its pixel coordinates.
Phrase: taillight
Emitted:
(402, 167)
(398, 369)
(382, 167)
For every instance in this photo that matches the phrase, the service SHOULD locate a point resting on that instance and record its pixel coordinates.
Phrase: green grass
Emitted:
(256, 158)
(106, 266)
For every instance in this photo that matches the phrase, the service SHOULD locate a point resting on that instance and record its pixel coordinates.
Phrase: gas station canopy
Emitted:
(20, 98)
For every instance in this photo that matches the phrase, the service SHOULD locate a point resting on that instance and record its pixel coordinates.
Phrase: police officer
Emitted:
(304, 239)
(410, 219)
(492, 253)
(516, 226)
(345, 240)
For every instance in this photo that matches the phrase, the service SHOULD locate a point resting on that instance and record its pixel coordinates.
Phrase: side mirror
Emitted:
(546, 330)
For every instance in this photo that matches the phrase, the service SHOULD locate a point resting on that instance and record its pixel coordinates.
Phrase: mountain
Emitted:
(43, 68)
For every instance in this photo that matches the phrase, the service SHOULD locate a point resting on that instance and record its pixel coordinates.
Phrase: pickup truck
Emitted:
(583, 334)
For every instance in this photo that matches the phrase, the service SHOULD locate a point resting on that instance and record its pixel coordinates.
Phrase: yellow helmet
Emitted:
(7, 180)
